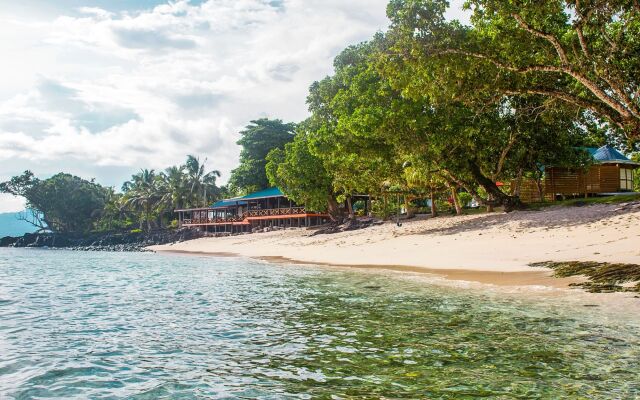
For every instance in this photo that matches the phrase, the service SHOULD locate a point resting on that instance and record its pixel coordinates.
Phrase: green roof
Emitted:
(229, 203)
(263, 194)
(242, 201)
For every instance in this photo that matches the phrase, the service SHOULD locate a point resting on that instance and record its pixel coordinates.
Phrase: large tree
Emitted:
(63, 203)
(579, 52)
(302, 176)
(257, 140)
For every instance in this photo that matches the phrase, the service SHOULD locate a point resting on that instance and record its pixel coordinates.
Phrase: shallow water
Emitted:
(108, 325)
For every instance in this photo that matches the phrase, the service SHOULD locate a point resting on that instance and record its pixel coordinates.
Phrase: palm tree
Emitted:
(173, 185)
(143, 193)
(201, 185)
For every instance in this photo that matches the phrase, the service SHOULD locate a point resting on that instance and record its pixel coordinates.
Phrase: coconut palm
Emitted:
(143, 193)
(173, 187)
(202, 185)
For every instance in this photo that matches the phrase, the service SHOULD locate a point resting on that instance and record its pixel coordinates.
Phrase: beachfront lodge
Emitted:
(267, 208)
(610, 173)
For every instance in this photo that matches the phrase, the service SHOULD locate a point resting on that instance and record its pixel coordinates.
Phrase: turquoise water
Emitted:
(147, 326)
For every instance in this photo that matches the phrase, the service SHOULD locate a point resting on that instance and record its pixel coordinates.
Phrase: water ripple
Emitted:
(141, 326)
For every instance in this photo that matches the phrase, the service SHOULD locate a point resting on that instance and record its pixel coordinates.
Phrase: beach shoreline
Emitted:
(534, 277)
(492, 248)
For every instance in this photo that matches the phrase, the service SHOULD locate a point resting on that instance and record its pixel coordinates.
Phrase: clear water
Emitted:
(104, 325)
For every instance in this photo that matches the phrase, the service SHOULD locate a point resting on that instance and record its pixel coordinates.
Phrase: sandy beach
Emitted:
(492, 248)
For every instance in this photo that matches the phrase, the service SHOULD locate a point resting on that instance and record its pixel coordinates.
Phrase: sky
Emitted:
(103, 88)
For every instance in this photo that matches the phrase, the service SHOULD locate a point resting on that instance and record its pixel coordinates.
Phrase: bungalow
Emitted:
(266, 208)
(611, 172)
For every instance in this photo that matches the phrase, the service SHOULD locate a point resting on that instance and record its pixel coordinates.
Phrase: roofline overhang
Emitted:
(265, 197)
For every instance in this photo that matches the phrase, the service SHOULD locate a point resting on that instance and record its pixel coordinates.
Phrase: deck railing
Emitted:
(202, 221)
(276, 212)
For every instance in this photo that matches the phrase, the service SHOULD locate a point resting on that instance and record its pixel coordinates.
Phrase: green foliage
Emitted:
(465, 198)
(150, 198)
(66, 203)
(384, 209)
(63, 203)
(258, 139)
(136, 231)
(300, 174)
(579, 54)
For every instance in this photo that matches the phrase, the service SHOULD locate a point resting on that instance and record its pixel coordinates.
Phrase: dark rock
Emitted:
(124, 241)
(7, 241)
(347, 225)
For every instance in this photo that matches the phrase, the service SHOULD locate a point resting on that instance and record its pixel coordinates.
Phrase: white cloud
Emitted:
(10, 203)
(105, 93)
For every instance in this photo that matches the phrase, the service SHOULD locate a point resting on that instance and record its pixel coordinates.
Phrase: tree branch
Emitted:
(568, 98)
(548, 37)
(501, 65)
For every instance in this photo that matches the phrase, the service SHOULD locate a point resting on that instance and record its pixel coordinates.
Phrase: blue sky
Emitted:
(103, 88)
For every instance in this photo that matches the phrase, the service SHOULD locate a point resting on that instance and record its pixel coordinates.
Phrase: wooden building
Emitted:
(266, 208)
(611, 172)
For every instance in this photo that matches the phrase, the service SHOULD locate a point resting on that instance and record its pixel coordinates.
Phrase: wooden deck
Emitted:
(292, 213)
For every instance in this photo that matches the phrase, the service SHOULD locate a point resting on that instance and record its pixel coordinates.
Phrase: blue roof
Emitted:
(609, 154)
(263, 194)
(242, 201)
(229, 203)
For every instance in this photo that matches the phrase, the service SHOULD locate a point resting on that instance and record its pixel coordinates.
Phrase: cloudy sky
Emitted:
(102, 88)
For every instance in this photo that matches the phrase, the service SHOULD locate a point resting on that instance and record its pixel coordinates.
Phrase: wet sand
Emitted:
(487, 248)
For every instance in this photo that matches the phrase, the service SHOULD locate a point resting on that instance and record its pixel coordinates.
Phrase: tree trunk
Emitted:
(518, 187)
(148, 216)
(472, 191)
(352, 214)
(335, 213)
(407, 206)
(385, 206)
(434, 209)
(496, 196)
(456, 199)
(540, 189)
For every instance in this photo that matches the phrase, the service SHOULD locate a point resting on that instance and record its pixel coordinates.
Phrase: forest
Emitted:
(430, 109)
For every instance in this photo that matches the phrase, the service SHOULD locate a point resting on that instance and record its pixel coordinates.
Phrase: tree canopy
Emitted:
(301, 175)
(69, 204)
(62, 203)
(430, 108)
(582, 53)
(257, 140)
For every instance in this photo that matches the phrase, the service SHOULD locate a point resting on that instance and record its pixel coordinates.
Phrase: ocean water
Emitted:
(148, 326)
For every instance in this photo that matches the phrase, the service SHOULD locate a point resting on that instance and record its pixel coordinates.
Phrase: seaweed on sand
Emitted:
(603, 277)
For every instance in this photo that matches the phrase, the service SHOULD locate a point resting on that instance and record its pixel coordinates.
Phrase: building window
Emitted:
(626, 179)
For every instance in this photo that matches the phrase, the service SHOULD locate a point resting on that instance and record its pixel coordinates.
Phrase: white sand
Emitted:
(486, 242)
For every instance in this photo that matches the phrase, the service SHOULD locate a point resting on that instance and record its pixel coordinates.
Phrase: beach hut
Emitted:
(610, 173)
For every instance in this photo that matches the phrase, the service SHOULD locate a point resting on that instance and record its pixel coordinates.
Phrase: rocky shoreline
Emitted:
(115, 242)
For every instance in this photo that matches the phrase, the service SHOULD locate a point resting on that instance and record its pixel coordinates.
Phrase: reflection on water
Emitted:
(102, 325)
